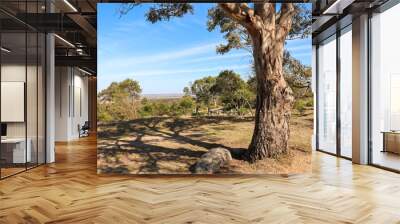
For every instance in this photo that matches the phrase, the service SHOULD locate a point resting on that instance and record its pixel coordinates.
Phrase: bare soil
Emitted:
(165, 145)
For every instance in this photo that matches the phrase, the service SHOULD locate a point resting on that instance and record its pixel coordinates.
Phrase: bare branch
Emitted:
(284, 22)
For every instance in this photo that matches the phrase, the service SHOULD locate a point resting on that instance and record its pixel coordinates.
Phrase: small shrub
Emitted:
(309, 102)
(300, 106)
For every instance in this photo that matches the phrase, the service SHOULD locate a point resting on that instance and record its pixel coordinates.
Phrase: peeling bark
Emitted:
(274, 99)
(268, 31)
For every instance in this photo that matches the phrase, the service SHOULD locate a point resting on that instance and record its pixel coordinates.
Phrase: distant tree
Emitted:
(131, 88)
(103, 114)
(119, 100)
(186, 91)
(233, 91)
(202, 89)
(161, 109)
(146, 108)
(262, 28)
(186, 105)
(252, 82)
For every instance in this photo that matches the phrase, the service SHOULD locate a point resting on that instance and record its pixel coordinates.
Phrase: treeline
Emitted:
(224, 94)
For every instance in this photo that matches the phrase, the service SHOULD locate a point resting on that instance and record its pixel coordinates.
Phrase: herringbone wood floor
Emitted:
(70, 191)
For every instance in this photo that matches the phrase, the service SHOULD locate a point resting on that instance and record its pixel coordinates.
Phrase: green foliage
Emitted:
(228, 90)
(159, 108)
(186, 91)
(161, 11)
(202, 89)
(309, 102)
(103, 114)
(186, 105)
(234, 92)
(297, 75)
(119, 101)
(302, 104)
(146, 110)
(252, 83)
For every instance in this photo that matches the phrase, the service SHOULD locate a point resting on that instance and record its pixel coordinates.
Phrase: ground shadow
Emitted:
(121, 140)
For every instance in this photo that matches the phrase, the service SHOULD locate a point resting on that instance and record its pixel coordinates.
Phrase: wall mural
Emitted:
(204, 88)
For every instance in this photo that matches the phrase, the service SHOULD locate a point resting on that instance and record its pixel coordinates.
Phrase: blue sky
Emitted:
(166, 56)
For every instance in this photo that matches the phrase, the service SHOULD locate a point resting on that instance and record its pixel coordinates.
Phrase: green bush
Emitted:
(146, 110)
(300, 106)
(161, 109)
(186, 105)
(309, 102)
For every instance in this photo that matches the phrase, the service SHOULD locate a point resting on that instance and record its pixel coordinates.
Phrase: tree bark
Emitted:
(274, 100)
(268, 31)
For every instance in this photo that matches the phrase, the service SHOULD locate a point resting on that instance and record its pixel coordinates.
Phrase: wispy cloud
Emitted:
(302, 47)
(164, 74)
(123, 62)
(131, 25)
(243, 55)
(188, 71)
(158, 72)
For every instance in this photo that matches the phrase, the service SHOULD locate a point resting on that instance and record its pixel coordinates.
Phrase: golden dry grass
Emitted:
(173, 145)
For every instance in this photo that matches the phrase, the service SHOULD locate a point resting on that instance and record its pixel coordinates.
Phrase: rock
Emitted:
(212, 161)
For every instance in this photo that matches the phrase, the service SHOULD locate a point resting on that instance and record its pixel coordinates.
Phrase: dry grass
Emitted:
(173, 145)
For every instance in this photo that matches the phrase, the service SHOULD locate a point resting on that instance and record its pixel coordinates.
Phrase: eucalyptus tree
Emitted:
(203, 91)
(262, 28)
(234, 92)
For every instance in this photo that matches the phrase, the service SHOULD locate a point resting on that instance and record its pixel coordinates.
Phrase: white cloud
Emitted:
(105, 80)
(243, 55)
(155, 72)
(160, 57)
(299, 47)
(306, 54)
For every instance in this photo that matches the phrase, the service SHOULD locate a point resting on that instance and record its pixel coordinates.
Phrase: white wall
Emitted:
(71, 102)
(62, 82)
(33, 126)
(16, 73)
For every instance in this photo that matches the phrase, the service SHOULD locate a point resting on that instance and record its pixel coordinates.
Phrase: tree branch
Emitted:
(284, 22)
(240, 12)
(266, 11)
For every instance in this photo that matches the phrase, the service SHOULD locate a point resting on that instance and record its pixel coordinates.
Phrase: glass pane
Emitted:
(13, 86)
(41, 99)
(32, 89)
(346, 94)
(385, 89)
(327, 96)
(31, 98)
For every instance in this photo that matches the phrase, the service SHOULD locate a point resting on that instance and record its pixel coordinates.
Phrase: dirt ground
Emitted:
(172, 145)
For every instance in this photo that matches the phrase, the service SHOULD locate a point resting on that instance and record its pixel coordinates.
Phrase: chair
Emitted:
(84, 130)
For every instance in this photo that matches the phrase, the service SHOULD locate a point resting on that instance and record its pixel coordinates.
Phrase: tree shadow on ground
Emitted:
(114, 143)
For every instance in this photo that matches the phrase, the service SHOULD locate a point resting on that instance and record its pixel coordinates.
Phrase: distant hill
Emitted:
(162, 96)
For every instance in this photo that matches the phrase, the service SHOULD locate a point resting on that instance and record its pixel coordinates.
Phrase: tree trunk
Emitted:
(274, 99)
